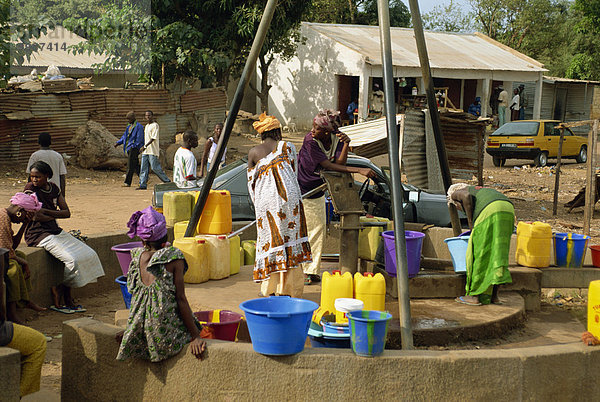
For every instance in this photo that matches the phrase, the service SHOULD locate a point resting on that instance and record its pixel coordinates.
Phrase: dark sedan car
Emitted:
(419, 206)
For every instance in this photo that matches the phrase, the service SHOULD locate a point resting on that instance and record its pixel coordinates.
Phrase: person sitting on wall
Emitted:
(29, 342)
(18, 276)
(160, 320)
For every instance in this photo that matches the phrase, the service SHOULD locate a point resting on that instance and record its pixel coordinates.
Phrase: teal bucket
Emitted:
(368, 331)
(569, 249)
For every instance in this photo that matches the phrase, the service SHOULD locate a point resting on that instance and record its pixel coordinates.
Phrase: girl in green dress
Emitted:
(160, 320)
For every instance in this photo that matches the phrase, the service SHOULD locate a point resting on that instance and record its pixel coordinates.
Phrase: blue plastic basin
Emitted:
(122, 281)
(278, 325)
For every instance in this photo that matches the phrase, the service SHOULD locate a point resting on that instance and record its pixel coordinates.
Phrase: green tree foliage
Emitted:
(205, 40)
(449, 18)
(585, 41)
(356, 12)
(56, 11)
(16, 37)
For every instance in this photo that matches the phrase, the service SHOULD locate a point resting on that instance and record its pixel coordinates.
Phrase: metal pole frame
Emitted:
(249, 69)
(383, 7)
(433, 110)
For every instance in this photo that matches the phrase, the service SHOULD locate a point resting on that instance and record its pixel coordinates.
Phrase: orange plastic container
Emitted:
(216, 216)
(195, 252)
(335, 286)
(370, 289)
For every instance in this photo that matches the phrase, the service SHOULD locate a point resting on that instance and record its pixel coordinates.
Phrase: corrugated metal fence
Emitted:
(61, 114)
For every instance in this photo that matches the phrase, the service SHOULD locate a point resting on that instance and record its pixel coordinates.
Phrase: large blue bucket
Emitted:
(278, 325)
(122, 281)
(368, 331)
(458, 252)
(569, 249)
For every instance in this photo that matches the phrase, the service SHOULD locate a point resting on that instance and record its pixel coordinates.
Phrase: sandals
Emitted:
(78, 309)
(309, 279)
(62, 309)
(460, 299)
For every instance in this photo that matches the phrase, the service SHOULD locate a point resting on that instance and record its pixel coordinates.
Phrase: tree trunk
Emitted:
(263, 95)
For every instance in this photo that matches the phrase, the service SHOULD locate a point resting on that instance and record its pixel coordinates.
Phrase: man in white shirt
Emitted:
(150, 153)
(52, 158)
(502, 105)
(515, 107)
(185, 165)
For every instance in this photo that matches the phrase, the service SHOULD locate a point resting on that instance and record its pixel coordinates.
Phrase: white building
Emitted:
(341, 62)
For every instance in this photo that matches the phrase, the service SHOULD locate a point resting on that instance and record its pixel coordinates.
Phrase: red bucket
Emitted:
(226, 327)
(595, 255)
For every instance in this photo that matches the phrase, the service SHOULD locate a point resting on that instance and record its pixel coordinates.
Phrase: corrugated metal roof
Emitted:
(368, 132)
(54, 51)
(552, 80)
(453, 51)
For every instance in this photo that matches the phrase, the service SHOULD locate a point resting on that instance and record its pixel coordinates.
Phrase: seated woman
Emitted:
(82, 265)
(491, 217)
(160, 319)
(282, 241)
(21, 210)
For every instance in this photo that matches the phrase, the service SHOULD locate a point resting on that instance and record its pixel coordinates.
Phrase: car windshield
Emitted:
(518, 128)
(231, 166)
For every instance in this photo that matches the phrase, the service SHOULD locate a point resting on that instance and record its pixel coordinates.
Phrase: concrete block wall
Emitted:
(233, 371)
(10, 369)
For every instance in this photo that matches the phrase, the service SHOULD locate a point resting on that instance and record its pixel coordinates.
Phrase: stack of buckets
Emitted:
(210, 254)
(359, 302)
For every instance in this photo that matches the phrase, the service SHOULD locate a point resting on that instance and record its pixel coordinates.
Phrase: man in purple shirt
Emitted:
(324, 148)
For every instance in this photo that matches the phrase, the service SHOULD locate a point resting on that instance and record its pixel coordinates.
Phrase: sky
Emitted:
(428, 5)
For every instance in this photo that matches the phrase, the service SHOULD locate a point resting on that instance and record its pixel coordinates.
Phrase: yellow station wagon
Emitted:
(534, 139)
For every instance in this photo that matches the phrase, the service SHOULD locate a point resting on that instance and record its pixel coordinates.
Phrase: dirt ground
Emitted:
(99, 203)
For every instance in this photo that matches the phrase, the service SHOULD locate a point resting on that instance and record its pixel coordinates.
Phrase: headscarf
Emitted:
(29, 202)
(148, 225)
(266, 123)
(328, 119)
(454, 188)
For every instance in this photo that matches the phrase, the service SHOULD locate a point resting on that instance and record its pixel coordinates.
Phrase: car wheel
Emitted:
(542, 159)
(582, 156)
(498, 161)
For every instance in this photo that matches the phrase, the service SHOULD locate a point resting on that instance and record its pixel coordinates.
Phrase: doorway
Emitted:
(560, 104)
(347, 92)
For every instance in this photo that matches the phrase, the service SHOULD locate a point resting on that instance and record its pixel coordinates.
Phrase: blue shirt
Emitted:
(135, 139)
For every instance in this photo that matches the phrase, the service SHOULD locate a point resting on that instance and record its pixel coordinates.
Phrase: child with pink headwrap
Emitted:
(30, 343)
(21, 209)
(160, 320)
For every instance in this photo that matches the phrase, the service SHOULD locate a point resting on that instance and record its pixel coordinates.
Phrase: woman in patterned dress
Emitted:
(160, 320)
(282, 238)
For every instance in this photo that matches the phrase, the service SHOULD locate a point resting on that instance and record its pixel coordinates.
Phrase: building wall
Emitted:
(307, 83)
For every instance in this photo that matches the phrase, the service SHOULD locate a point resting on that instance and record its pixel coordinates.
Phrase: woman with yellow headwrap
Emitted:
(282, 239)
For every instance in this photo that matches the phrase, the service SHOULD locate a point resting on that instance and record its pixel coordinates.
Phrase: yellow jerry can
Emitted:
(249, 247)
(176, 207)
(196, 253)
(216, 216)
(370, 289)
(234, 255)
(335, 286)
(534, 244)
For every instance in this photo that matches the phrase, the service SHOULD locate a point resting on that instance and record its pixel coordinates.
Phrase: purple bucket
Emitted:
(414, 243)
(124, 255)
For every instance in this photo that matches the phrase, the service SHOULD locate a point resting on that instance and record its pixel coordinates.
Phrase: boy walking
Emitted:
(150, 153)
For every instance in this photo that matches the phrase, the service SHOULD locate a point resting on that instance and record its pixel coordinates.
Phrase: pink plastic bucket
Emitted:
(124, 255)
(414, 243)
(227, 327)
